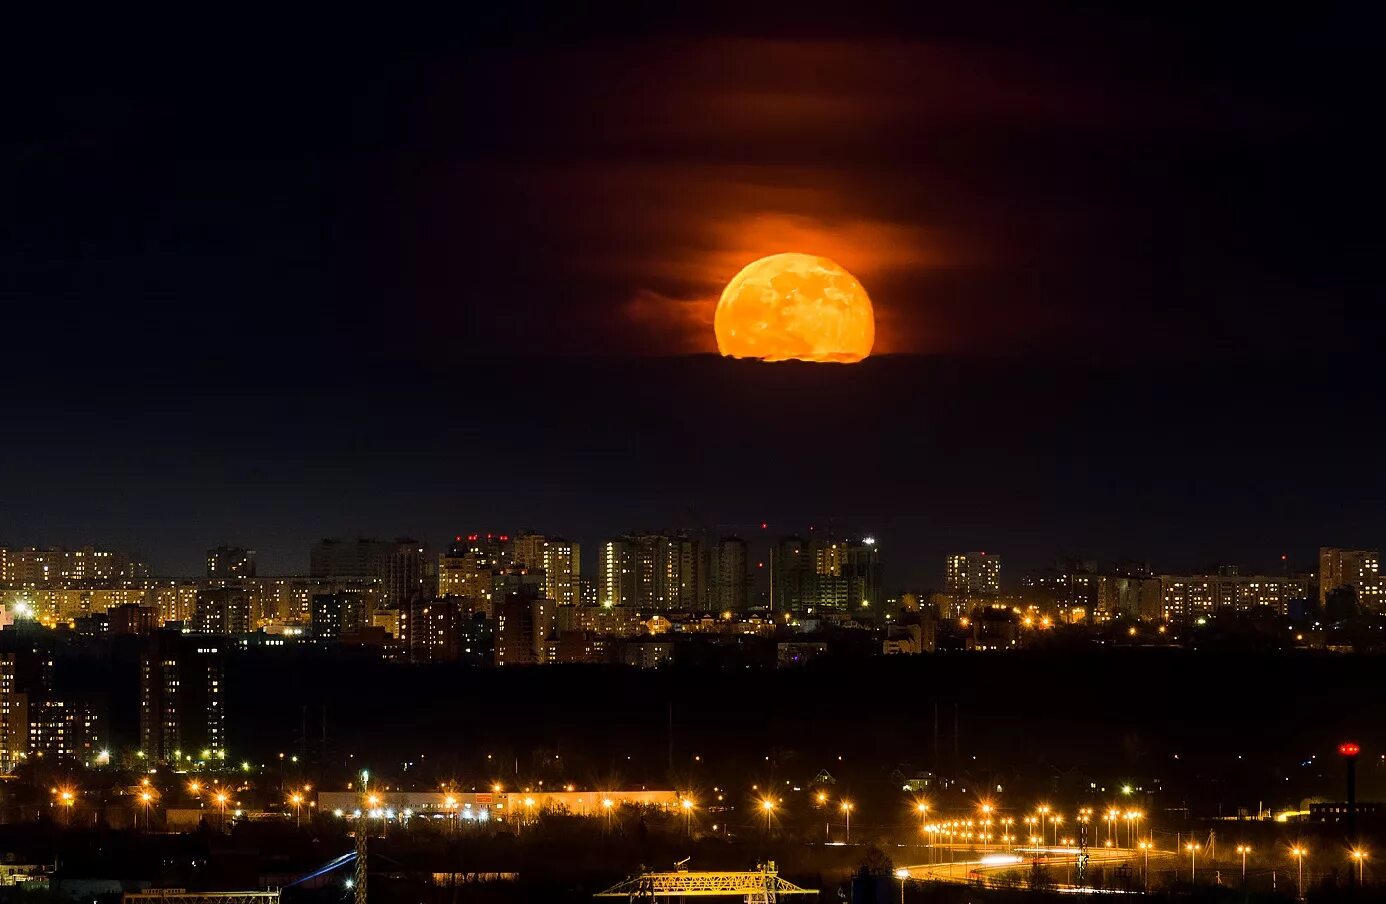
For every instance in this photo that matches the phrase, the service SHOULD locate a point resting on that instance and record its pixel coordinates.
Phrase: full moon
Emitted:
(795, 307)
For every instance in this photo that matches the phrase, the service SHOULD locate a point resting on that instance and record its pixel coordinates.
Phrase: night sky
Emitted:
(271, 279)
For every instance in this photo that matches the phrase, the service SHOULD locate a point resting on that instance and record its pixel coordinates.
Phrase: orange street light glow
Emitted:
(795, 307)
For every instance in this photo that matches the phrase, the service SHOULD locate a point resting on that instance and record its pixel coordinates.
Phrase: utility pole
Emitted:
(362, 822)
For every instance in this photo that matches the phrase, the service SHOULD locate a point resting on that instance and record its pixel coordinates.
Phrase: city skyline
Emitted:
(757, 538)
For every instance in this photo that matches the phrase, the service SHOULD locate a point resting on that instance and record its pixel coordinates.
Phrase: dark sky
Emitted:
(268, 279)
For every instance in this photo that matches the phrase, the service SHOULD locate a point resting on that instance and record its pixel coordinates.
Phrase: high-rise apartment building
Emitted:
(14, 712)
(222, 610)
(729, 575)
(467, 568)
(825, 573)
(655, 571)
(861, 568)
(230, 562)
(973, 574)
(65, 729)
(347, 558)
(37, 721)
(406, 573)
(430, 629)
(1355, 568)
(336, 614)
(523, 626)
(31, 567)
(1184, 598)
(182, 696)
(558, 559)
(791, 568)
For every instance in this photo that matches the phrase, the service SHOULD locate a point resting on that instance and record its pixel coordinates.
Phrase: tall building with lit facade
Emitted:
(655, 571)
(338, 614)
(32, 567)
(1186, 598)
(182, 696)
(825, 573)
(406, 572)
(1355, 568)
(37, 721)
(468, 567)
(1070, 589)
(430, 630)
(14, 712)
(558, 559)
(861, 568)
(973, 574)
(222, 610)
(230, 562)
(65, 729)
(523, 626)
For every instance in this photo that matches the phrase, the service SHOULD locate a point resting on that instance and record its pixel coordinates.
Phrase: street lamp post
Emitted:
(607, 805)
(1192, 848)
(1299, 853)
(1243, 849)
(1145, 864)
(902, 875)
(222, 798)
(297, 800)
(768, 806)
(847, 809)
(1361, 857)
(823, 802)
(1043, 811)
(687, 804)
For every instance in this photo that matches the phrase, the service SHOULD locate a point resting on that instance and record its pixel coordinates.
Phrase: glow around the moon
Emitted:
(795, 307)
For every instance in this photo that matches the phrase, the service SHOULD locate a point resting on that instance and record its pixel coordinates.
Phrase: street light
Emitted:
(297, 800)
(1361, 857)
(1145, 865)
(1055, 821)
(1043, 811)
(768, 806)
(1298, 853)
(687, 804)
(1244, 849)
(1192, 847)
(145, 798)
(902, 875)
(847, 809)
(607, 805)
(221, 797)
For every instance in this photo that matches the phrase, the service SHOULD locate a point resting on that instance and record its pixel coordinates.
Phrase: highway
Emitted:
(1060, 860)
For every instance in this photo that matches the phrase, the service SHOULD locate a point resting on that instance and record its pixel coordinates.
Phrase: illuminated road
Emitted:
(1058, 859)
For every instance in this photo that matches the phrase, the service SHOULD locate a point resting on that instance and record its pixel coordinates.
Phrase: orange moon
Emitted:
(795, 307)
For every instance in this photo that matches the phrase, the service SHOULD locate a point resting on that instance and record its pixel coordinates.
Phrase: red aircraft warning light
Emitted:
(1349, 749)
